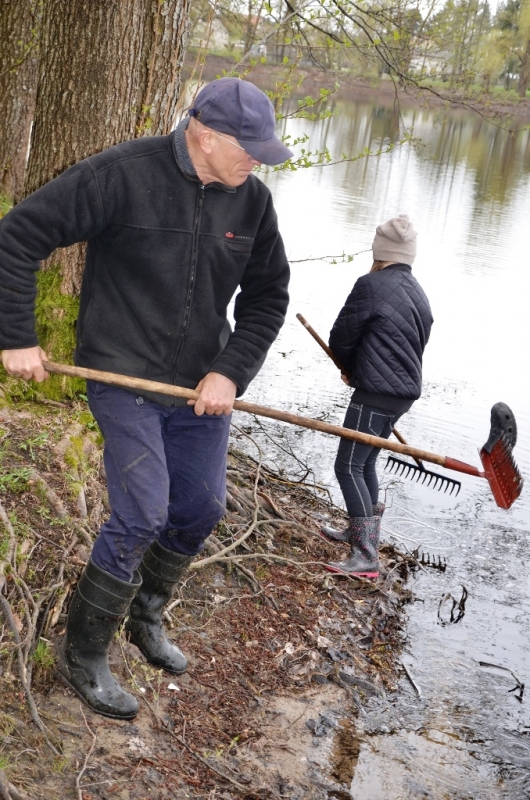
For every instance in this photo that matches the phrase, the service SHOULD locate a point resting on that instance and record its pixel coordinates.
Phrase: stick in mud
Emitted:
(413, 682)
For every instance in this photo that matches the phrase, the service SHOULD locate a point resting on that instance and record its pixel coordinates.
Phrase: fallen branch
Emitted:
(85, 762)
(11, 546)
(10, 792)
(411, 679)
(23, 676)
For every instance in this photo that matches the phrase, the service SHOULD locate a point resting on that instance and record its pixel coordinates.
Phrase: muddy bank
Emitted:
(355, 88)
(283, 655)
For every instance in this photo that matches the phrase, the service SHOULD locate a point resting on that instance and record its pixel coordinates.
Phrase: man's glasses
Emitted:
(234, 144)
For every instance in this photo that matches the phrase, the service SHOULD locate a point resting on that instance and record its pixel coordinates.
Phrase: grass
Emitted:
(16, 480)
(43, 656)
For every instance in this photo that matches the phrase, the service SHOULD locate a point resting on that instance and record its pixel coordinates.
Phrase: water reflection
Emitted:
(467, 189)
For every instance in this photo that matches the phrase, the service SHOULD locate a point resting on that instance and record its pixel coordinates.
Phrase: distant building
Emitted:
(213, 35)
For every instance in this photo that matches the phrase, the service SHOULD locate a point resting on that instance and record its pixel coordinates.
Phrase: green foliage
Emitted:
(7, 726)
(5, 762)
(39, 440)
(87, 420)
(5, 205)
(16, 480)
(43, 656)
(56, 315)
(59, 764)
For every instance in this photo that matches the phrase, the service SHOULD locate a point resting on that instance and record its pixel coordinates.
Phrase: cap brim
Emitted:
(269, 151)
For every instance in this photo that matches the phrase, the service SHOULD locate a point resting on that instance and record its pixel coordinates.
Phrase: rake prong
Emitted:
(500, 469)
(433, 480)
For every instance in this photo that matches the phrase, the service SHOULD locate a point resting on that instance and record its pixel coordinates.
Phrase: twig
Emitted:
(83, 768)
(411, 679)
(520, 684)
(56, 504)
(10, 792)
(11, 545)
(23, 676)
(69, 731)
(181, 741)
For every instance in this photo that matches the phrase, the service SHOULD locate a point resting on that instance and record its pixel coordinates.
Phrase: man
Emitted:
(174, 225)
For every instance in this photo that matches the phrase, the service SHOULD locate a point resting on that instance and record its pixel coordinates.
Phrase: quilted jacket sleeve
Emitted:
(348, 328)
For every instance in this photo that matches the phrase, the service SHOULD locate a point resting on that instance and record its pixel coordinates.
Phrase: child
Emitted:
(379, 338)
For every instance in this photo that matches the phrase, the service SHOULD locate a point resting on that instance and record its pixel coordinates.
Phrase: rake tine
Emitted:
(425, 477)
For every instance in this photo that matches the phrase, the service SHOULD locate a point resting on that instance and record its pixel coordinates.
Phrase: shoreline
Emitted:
(284, 656)
(512, 113)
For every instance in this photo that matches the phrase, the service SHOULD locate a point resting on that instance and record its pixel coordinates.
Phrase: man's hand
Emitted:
(344, 378)
(26, 363)
(216, 395)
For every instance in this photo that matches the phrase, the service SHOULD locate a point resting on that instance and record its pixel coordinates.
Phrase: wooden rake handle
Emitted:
(143, 385)
(337, 363)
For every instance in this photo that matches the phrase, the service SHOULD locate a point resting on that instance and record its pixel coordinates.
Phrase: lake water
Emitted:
(466, 187)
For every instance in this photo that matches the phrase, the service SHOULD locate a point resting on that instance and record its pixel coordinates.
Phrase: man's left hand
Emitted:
(216, 395)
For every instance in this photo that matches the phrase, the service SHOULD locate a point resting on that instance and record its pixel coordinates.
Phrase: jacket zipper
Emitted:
(191, 281)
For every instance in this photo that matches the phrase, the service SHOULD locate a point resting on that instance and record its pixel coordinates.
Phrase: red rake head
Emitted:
(500, 469)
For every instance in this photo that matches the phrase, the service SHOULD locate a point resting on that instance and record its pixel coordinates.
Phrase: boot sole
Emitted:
(72, 688)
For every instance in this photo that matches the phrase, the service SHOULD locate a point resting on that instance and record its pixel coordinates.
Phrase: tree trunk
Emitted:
(109, 71)
(524, 71)
(18, 83)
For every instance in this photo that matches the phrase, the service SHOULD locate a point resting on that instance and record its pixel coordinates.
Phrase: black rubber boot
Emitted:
(97, 608)
(161, 571)
(334, 535)
(363, 561)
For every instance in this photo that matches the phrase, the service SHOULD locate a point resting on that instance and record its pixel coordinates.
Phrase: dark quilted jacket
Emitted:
(380, 334)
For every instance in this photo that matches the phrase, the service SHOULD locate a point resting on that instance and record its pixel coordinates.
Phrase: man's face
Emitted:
(228, 161)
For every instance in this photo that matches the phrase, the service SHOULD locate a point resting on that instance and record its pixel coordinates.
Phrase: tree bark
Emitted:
(524, 71)
(18, 83)
(109, 71)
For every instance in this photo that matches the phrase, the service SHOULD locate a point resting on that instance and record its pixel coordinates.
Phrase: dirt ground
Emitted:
(282, 653)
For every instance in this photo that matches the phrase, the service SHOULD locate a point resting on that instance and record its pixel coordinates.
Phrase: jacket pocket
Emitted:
(239, 247)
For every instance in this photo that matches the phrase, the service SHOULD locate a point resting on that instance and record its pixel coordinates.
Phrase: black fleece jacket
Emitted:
(165, 255)
(380, 335)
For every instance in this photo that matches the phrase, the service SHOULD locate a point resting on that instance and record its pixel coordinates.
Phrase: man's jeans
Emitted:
(355, 462)
(166, 477)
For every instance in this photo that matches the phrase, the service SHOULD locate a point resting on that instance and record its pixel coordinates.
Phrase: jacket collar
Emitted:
(183, 157)
(401, 267)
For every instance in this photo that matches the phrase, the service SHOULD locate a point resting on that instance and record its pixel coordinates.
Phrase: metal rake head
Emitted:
(421, 475)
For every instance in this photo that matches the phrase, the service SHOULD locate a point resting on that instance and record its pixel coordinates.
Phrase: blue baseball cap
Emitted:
(240, 109)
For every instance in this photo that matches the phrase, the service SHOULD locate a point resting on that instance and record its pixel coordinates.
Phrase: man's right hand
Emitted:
(26, 363)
